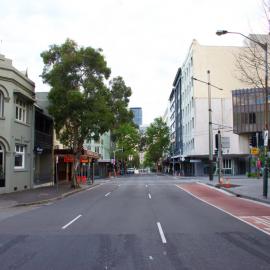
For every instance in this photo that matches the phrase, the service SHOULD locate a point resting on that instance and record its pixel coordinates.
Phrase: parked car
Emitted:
(130, 170)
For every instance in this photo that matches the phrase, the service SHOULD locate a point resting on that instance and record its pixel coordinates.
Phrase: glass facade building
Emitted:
(248, 110)
(137, 118)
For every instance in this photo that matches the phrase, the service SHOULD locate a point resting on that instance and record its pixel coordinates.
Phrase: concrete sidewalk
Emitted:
(250, 188)
(40, 195)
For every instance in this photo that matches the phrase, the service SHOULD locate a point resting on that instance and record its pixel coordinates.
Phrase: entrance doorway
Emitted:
(2, 166)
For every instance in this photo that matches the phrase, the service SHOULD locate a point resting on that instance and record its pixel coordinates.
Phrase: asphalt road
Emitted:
(137, 223)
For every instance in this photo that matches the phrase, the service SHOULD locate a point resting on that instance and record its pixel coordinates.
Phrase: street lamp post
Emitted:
(210, 124)
(264, 46)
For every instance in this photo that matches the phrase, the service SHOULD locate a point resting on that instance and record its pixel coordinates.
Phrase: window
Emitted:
(19, 156)
(1, 104)
(252, 118)
(97, 149)
(21, 110)
(227, 166)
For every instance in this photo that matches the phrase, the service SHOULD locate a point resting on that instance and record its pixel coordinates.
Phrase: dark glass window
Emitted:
(252, 118)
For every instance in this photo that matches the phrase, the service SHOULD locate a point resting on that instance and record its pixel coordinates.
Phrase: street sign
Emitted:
(254, 151)
(225, 142)
(265, 137)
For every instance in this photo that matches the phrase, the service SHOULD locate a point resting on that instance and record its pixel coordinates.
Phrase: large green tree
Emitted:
(157, 141)
(128, 139)
(82, 106)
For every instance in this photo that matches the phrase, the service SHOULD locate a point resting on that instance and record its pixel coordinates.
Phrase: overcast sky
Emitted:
(144, 41)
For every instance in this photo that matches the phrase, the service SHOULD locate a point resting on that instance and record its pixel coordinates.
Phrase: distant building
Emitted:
(102, 147)
(137, 112)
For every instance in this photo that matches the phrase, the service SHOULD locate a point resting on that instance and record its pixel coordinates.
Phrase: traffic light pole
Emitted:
(219, 157)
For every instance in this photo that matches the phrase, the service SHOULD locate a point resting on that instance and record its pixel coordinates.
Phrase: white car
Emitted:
(130, 170)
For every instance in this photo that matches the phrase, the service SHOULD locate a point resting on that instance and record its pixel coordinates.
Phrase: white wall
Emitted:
(221, 115)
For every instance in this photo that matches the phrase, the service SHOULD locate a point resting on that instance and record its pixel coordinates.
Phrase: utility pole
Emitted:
(219, 157)
(210, 132)
(210, 128)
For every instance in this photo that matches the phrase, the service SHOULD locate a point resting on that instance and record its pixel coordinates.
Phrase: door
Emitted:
(2, 167)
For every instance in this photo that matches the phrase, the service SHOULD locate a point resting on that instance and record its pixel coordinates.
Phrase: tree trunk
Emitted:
(76, 165)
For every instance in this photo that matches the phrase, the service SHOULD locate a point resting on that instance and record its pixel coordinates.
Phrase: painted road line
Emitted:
(228, 213)
(163, 239)
(149, 195)
(73, 220)
(217, 189)
(146, 186)
(107, 194)
(99, 185)
(263, 222)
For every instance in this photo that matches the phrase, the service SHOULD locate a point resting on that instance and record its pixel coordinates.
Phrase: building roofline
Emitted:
(178, 73)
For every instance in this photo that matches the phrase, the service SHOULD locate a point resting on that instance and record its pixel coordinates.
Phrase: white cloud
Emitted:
(144, 41)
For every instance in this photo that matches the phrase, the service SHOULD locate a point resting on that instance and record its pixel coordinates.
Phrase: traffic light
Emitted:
(216, 141)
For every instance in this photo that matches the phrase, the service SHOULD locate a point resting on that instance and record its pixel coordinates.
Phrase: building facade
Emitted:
(43, 142)
(17, 99)
(137, 115)
(103, 148)
(249, 119)
(191, 101)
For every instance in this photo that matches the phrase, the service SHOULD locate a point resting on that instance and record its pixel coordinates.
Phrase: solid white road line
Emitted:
(228, 213)
(107, 194)
(216, 189)
(149, 195)
(95, 186)
(73, 220)
(163, 239)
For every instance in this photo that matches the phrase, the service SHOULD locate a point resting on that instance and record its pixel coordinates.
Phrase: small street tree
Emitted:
(157, 141)
(128, 139)
(82, 106)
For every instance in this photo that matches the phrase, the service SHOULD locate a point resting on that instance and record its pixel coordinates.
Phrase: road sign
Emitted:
(254, 151)
(225, 142)
(265, 137)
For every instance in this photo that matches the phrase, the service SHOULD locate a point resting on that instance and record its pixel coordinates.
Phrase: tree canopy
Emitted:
(128, 139)
(82, 105)
(157, 141)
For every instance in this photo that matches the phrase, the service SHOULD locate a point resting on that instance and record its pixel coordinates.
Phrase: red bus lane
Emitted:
(252, 213)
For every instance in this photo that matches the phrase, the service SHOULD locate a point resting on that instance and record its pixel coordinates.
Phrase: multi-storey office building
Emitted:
(176, 123)
(172, 120)
(137, 115)
(17, 97)
(193, 120)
